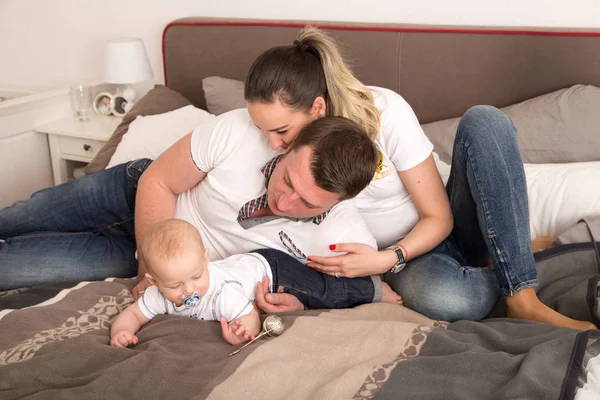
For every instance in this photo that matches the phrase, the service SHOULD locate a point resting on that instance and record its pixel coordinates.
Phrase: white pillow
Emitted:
(148, 136)
(559, 194)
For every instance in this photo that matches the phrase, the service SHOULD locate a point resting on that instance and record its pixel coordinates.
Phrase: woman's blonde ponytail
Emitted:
(347, 96)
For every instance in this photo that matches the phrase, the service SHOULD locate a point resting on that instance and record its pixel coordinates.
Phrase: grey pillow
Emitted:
(557, 127)
(159, 100)
(223, 94)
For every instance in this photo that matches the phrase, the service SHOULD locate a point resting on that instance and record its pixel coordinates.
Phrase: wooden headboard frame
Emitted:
(441, 72)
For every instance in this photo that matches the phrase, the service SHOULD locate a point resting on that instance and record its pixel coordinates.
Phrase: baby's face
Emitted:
(183, 276)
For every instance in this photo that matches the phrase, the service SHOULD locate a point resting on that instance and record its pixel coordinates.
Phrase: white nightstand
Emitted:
(74, 140)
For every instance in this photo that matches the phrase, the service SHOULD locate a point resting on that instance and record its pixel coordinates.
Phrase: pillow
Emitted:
(158, 100)
(223, 94)
(148, 136)
(558, 127)
(560, 195)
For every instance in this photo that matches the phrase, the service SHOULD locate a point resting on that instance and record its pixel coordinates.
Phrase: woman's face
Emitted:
(281, 124)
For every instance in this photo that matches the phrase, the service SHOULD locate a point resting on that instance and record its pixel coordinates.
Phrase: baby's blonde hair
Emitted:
(167, 239)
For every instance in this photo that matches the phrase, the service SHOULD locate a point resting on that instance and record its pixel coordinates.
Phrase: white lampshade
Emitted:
(126, 62)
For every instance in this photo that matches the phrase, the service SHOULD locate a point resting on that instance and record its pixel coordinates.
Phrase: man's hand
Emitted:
(275, 302)
(235, 332)
(141, 287)
(123, 339)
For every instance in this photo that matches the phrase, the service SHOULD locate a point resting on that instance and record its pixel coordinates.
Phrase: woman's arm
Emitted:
(173, 172)
(425, 186)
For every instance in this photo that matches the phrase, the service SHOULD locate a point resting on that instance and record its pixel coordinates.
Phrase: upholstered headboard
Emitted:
(441, 72)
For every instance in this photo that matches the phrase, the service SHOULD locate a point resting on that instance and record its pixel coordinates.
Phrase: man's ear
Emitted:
(319, 107)
(151, 279)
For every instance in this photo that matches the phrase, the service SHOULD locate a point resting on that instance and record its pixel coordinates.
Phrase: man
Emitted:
(242, 195)
(223, 178)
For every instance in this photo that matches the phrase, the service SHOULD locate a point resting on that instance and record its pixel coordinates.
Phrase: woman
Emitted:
(433, 260)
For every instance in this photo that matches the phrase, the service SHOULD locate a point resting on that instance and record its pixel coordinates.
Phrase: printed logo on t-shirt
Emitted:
(382, 170)
(292, 248)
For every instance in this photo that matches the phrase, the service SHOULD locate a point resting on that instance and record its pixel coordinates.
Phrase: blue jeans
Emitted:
(488, 196)
(318, 290)
(80, 230)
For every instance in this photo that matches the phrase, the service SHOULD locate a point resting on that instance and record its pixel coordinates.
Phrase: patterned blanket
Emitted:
(59, 349)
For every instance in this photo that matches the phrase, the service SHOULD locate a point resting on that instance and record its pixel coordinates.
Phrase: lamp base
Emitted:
(129, 94)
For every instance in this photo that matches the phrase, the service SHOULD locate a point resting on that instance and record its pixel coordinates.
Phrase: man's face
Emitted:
(292, 191)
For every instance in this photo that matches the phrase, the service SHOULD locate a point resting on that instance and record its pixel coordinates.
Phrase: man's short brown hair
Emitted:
(343, 158)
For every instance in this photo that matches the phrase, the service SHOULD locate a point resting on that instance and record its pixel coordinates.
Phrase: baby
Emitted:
(187, 284)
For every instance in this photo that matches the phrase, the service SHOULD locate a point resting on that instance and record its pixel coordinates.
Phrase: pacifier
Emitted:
(191, 300)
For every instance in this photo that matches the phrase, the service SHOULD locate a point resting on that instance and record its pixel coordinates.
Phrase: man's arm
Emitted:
(275, 302)
(126, 325)
(172, 173)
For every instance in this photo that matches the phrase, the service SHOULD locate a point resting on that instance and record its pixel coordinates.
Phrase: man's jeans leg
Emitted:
(80, 230)
(488, 196)
(317, 290)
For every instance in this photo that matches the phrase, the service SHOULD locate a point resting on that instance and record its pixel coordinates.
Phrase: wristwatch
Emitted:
(399, 266)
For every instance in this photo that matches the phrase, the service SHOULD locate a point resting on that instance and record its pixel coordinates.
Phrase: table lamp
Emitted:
(126, 62)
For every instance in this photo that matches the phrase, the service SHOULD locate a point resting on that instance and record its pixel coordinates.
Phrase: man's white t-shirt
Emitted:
(232, 151)
(230, 292)
(385, 204)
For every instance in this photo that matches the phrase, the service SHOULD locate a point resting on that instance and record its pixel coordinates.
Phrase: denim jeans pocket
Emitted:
(299, 294)
(136, 168)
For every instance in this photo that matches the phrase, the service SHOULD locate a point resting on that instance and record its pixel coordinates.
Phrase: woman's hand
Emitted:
(360, 260)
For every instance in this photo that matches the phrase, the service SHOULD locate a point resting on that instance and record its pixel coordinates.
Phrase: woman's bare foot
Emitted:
(526, 305)
(541, 243)
(389, 296)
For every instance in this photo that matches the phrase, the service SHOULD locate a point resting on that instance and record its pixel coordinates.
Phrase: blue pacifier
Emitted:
(192, 300)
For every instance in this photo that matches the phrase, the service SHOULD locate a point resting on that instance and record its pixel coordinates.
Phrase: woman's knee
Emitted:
(438, 288)
(482, 123)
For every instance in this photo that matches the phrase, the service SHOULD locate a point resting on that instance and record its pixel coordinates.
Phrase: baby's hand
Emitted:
(123, 339)
(235, 332)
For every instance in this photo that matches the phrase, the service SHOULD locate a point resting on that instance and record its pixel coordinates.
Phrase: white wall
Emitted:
(50, 43)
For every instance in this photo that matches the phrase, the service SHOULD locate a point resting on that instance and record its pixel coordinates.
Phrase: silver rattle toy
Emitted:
(272, 326)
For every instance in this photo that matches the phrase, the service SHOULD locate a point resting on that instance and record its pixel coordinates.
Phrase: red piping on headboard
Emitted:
(369, 28)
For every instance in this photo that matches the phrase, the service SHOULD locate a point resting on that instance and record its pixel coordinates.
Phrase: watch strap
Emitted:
(399, 266)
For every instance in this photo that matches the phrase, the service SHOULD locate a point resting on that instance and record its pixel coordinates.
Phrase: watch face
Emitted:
(397, 268)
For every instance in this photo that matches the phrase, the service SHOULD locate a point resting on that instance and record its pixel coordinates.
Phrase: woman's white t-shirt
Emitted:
(385, 205)
(233, 151)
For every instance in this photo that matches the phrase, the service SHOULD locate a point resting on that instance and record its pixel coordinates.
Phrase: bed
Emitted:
(54, 338)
